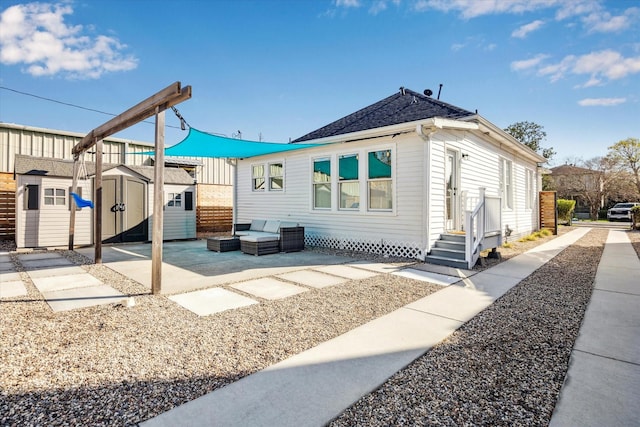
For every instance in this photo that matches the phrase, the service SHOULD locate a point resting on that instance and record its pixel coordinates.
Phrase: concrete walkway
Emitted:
(313, 387)
(602, 386)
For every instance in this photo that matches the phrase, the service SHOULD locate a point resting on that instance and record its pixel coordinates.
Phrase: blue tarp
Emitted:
(202, 144)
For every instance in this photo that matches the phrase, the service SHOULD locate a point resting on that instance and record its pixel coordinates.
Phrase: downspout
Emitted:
(426, 211)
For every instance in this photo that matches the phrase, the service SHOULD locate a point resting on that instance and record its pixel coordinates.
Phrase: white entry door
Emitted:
(452, 202)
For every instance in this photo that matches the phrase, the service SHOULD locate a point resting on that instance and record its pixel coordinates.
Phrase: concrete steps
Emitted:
(449, 250)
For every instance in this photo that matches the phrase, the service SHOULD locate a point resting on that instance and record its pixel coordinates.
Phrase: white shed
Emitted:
(398, 177)
(43, 203)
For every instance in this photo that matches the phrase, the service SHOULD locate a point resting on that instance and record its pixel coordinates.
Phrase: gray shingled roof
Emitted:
(401, 107)
(28, 165)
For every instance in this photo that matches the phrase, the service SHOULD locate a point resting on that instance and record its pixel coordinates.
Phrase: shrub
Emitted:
(635, 217)
(545, 232)
(565, 210)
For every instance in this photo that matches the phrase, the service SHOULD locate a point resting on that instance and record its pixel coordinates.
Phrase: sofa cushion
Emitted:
(260, 238)
(272, 226)
(257, 225)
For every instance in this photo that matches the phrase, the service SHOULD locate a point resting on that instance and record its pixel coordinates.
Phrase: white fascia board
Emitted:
(503, 139)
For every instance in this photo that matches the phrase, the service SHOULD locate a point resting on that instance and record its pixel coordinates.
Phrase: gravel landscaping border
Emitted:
(113, 365)
(504, 367)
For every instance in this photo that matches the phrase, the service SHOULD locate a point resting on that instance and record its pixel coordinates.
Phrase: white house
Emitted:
(398, 177)
(43, 203)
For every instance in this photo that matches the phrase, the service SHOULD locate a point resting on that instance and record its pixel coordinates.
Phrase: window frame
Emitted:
(255, 177)
(56, 198)
(390, 179)
(174, 200)
(529, 189)
(342, 181)
(506, 183)
(272, 177)
(326, 184)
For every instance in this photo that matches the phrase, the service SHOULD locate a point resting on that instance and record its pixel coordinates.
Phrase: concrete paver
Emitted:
(75, 298)
(427, 276)
(32, 264)
(56, 271)
(313, 279)
(378, 267)
(9, 276)
(59, 283)
(210, 301)
(7, 266)
(346, 272)
(12, 289)
(269, 288)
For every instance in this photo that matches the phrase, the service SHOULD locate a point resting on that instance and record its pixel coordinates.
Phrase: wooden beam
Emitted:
(97, 211)
(158, 206)
(166, 98)
(72, 217)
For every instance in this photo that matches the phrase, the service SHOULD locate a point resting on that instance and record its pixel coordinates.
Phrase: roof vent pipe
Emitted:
(402, 90)
(439, 90)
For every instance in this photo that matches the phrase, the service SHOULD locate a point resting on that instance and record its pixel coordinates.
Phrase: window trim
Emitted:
(529, 189)
(315, 183)
(174, 200)
(266, 176)
(390, 179)
(271, 177)
(506, 188)
(348, 181)
(58, 200)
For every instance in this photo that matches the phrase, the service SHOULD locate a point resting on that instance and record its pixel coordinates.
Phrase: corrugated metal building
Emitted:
(213, 176)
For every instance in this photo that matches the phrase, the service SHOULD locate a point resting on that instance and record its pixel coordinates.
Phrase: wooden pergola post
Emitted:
(154, 105)
(158, 206)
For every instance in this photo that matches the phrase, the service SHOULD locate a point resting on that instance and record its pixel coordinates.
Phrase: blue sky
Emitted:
(279, 69)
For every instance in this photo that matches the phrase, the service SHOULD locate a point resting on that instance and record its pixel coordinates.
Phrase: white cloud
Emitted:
(601, 66)
(601, 102)
(524, 30)
(36, 35)
(603, 22)
(473, 8)
(528, 63)
(347, 3)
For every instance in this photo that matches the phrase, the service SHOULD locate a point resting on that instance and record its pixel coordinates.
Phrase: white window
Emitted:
(322, 183)
(55, 197)
(379, 180)
(175, 200)
(276, 176)
(348, 181)
(506, 183)
(529, 196)
(257, 177)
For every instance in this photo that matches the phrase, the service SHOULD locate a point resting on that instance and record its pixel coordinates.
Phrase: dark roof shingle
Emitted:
(401, 107)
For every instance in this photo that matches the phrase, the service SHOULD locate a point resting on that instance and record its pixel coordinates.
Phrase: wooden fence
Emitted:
(214, 218)
(549, 211)
(7, 207)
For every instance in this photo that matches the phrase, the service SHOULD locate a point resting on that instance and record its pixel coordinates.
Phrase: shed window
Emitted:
(32, 197)
(55, 196)
(379, 183)
(348, 179)
(322, 183)
(175, 200)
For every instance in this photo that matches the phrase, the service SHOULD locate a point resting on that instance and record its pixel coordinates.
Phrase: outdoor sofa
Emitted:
(262, 237)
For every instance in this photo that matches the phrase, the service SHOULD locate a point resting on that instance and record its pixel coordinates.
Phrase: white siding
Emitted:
(403, 225)
(178, 222)
(48, 226)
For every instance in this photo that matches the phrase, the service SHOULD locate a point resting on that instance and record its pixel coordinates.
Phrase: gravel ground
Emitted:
(506, 366)
(111, 365)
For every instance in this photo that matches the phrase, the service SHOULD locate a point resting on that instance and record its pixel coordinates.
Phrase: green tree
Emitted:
(531, 134)
(626, 154)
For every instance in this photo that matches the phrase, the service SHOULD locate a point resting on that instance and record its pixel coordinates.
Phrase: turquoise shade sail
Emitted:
(202, 144)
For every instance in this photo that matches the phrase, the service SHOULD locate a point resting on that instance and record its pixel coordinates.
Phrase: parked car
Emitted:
(621, 211)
